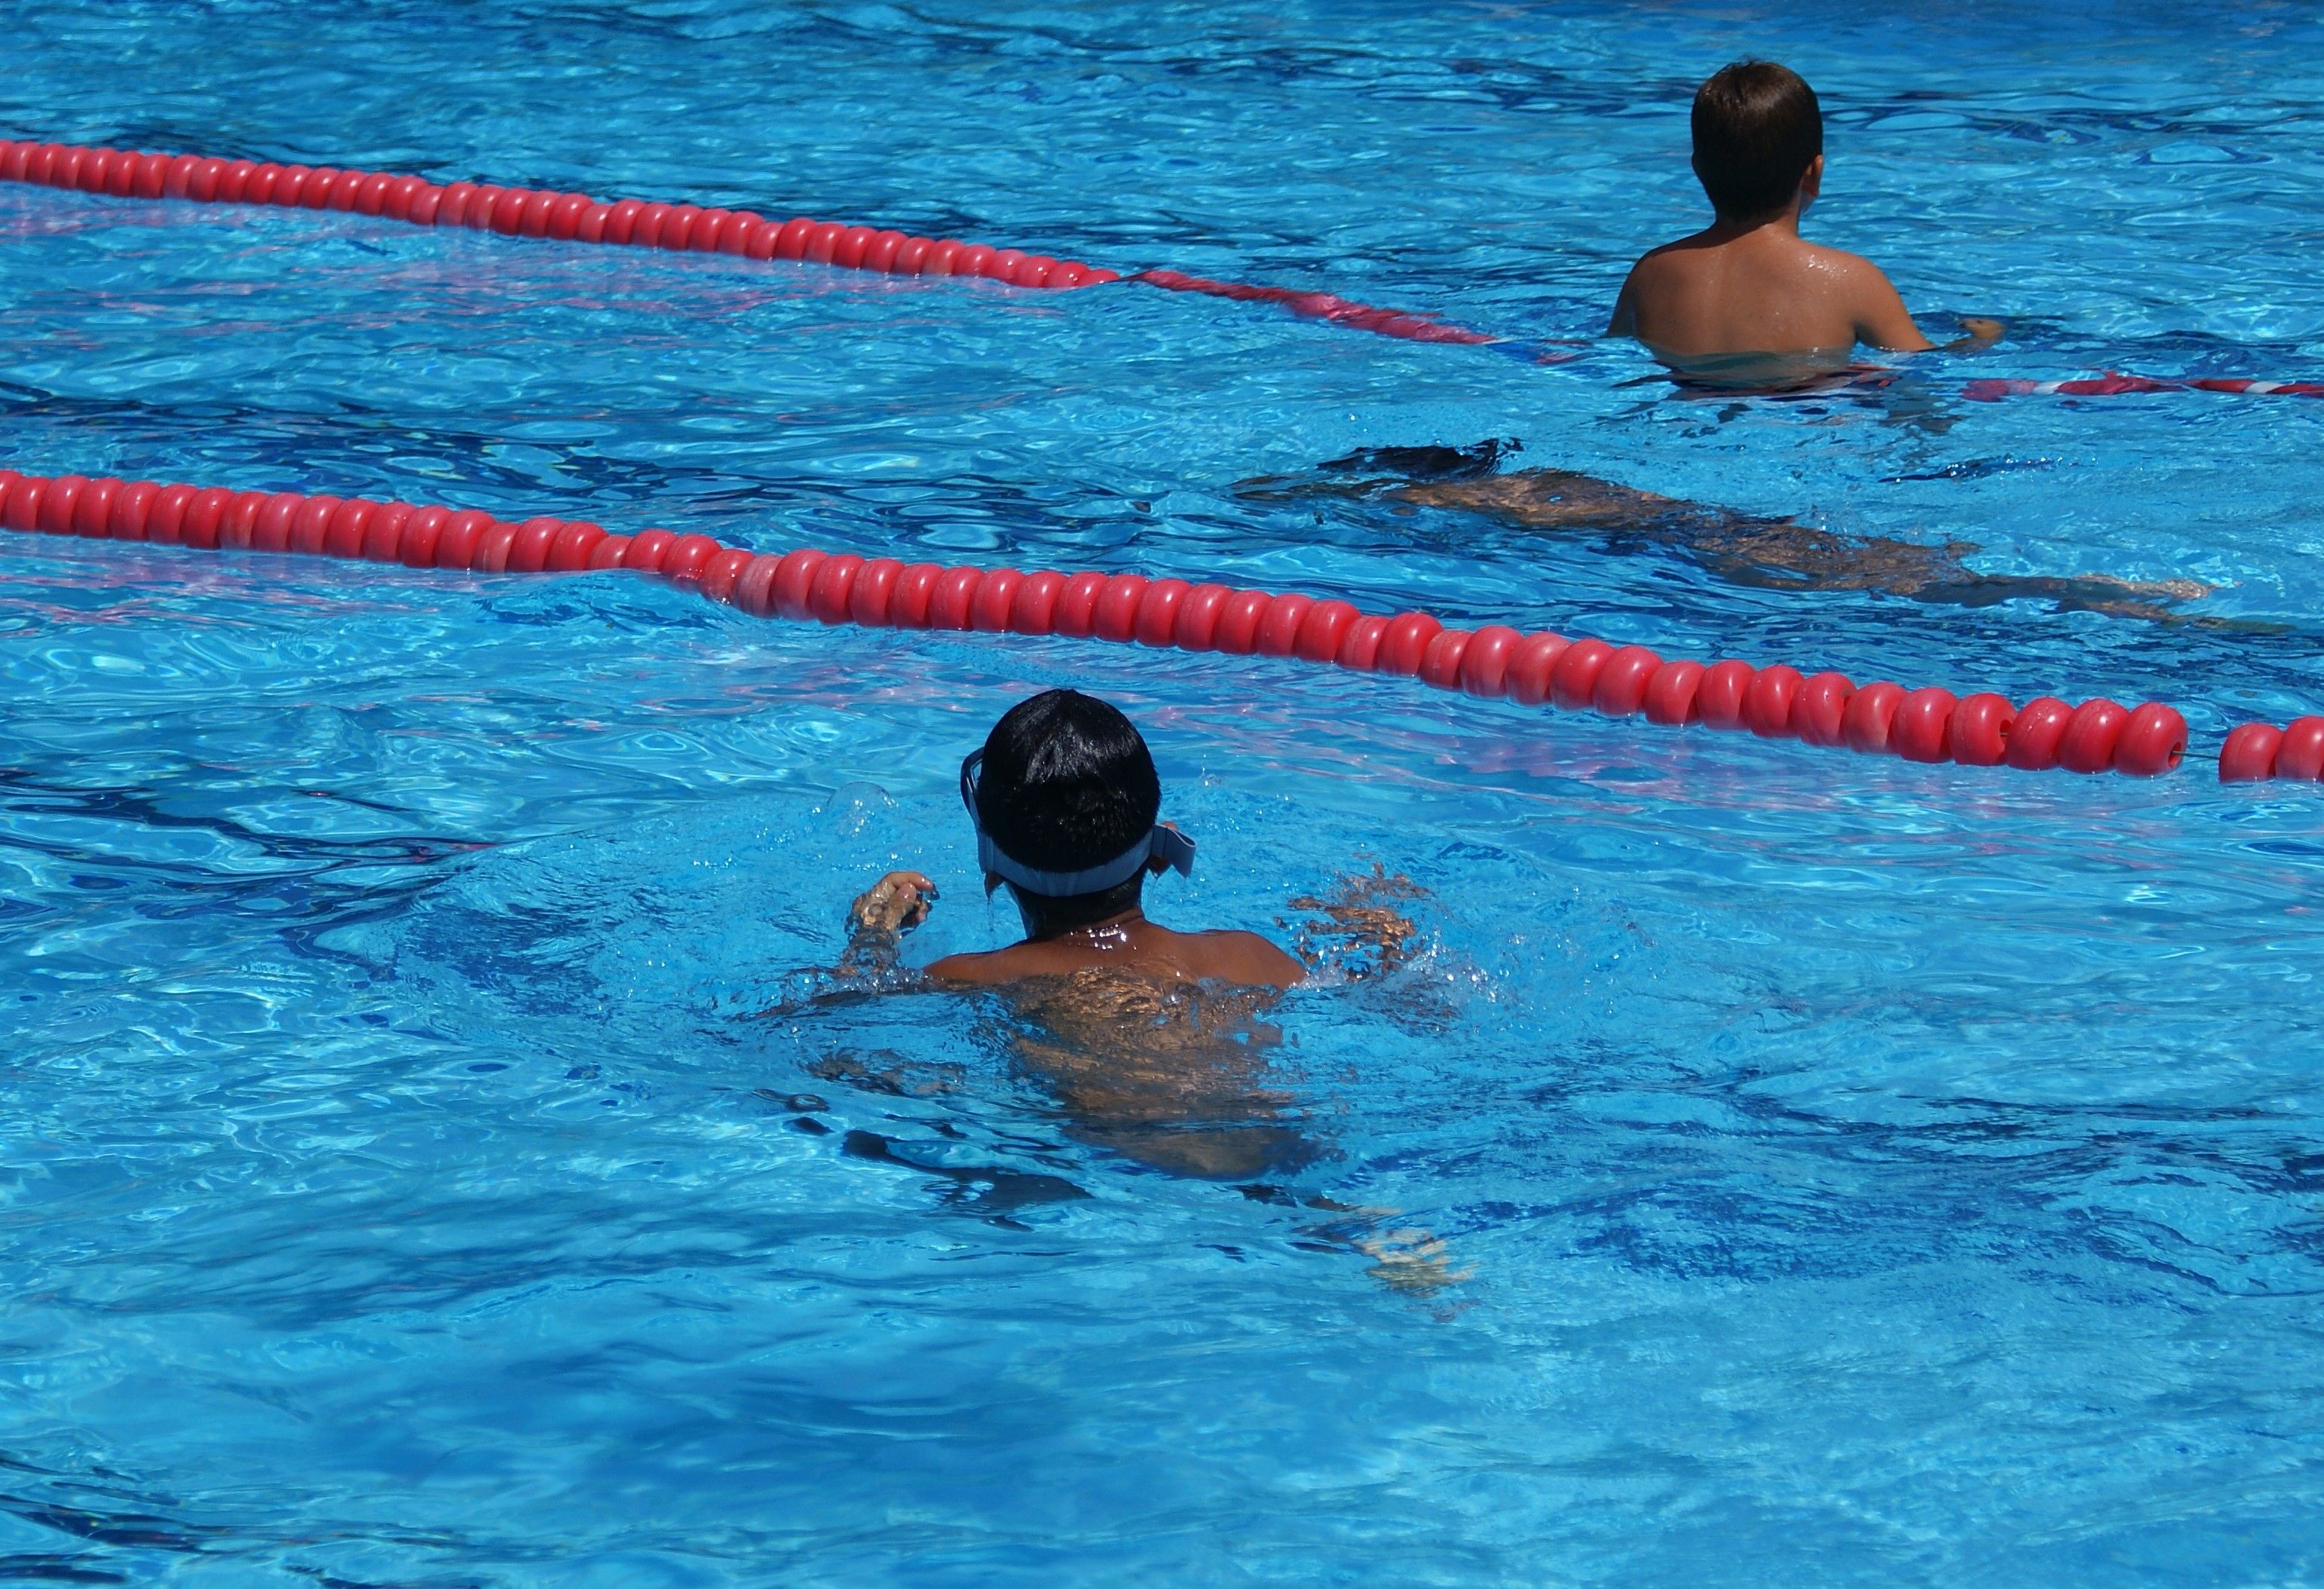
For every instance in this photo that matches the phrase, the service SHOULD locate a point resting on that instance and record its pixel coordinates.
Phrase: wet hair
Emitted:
(1756, 129)
(1067, 783)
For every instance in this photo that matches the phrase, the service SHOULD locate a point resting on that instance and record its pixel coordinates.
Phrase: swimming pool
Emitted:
(1870, 1172)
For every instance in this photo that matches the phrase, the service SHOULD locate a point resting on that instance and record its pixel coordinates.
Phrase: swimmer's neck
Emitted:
(1115, 931)
(1782, 225)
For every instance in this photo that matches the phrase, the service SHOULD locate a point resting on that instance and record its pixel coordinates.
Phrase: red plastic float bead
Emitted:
(949, 605)
(678, 227)
(874, 589)
(1405, 643)
(612, 552)
(153, 177)
(1720, 700)
(1116, 615)
(1078, 605)
(821, 240)
(1533, 670)
(58, 500)
(1239, 618)
(1157, 612)
(847, 248)
(456, 547)
(1767, 704)
(1981, 730)
(2091, 736)
(494, 544)
(741, 230)
(1573, 682)
(647, 548)
(943, 258)
(831, 594)
(1278, 631)
(1439, 664)
(911, 256)
(12, 156)
(202, 180)
(371, 193)
(1034, 610)
(343, 537)
(754, 586)
(165, 524)
(1622, 682)
(791, 239)
(382, 539)
(996, 601)
(709, 232)
(477, 214)
(2036, 733)
(589, 226)
(206, 517)
(425, 200)
(2154, 742)
(1198, 616)
(971, 261)
(2249, 755)
(236, 524)
(688, 557)
(1870, 723)
(131, 505)
(1360, 647)
(22, 510)
(532, 215)
(1324, 628)
(563, 217)
(1671, 693)
(319, 186)
(528, 551)
(761, 240)
(1923, 728)
(1485, 661)
(1002, 265)
(310, 523)
(722, 576)
(622, 221)
(1820, 709)
(2300, 755)
(93, 512)
(794, 587)
(66, 172)
(89, 173)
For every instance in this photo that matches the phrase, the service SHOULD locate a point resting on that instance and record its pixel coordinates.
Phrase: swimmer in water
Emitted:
(1153, 1040)
(1752, 549)
(1064, 798)
(1747, 303)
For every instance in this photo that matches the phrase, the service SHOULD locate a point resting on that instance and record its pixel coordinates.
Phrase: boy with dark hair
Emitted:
(1064, 798)
(1747, 302)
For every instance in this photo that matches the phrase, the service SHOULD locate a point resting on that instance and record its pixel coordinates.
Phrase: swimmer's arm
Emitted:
(1882, 321)
(881, 917)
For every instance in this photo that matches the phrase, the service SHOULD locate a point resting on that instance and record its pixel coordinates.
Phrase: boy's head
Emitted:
(1758, 128)
(1066, 784)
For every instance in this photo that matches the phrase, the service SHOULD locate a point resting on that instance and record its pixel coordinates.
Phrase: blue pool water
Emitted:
(1856, 1172)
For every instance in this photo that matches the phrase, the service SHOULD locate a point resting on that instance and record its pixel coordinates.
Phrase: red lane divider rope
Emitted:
(2119, 385)
(1778, 702)
(538, 212)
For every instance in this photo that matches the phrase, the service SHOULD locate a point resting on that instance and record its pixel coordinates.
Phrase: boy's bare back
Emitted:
(1763, 289)
(1748, 301)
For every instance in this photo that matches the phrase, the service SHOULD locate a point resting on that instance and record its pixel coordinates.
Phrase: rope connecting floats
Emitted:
(1826, 709)
(577, 217)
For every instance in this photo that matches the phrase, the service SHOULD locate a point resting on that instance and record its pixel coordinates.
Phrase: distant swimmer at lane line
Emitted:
(1747, 303)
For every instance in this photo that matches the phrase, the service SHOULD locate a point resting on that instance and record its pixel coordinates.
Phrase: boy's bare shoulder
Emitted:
(1244, 958)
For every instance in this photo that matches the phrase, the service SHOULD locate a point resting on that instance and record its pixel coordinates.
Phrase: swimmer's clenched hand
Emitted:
(897, 903)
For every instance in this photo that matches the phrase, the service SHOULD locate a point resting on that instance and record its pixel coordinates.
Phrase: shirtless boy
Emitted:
(1747, 302)
(1064, 798)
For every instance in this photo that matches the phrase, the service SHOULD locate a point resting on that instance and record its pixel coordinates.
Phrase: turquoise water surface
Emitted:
(428, 1161)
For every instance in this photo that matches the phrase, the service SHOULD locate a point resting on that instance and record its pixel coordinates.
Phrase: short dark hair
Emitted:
(1756, 128)
(1067, 784)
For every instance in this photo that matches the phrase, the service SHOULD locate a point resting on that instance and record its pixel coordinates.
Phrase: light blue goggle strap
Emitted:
(1162, 842)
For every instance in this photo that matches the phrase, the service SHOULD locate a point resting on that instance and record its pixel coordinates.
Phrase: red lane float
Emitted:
(577, 217)
(531, 212)
(1581, 674)
(2112, 384)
